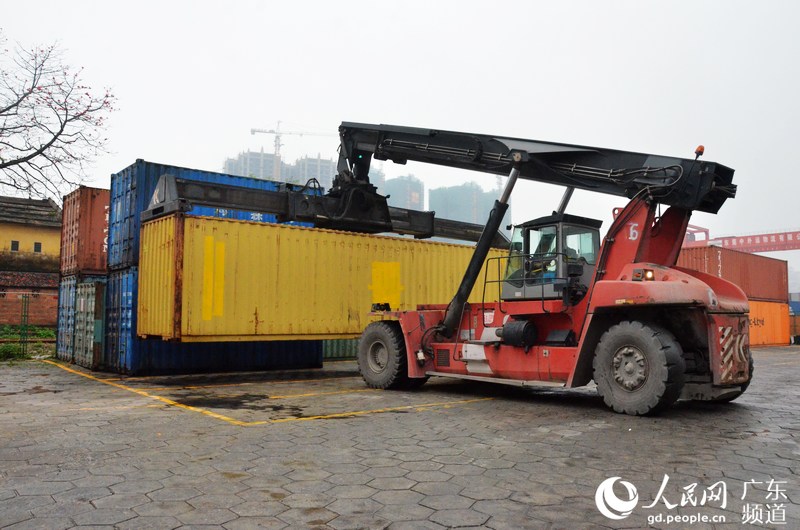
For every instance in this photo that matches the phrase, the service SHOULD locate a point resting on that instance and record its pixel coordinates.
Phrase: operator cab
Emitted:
(551, 258)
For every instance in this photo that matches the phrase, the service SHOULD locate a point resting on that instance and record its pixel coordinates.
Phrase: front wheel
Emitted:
(639, 369)
(382, 357)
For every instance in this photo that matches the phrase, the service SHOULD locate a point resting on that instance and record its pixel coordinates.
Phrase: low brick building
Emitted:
(39, 289)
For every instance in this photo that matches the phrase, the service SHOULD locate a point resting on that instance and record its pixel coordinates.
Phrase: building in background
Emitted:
(254, 164)
(30, 239)
(306, 168)
(405, 192)
(30, 235)
(466, 202)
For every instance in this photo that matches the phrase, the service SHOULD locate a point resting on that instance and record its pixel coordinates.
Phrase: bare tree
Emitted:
(51, 123)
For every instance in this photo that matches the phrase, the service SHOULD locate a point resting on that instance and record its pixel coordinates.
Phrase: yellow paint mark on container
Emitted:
(213, 278)
(386, 285)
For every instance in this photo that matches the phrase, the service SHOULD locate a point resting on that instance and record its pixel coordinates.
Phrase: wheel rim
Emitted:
(629, 366)
(378, 357)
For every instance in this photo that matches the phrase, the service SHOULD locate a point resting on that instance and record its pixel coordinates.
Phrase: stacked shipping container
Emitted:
(764, 280)
(125, 352)
(81, 293)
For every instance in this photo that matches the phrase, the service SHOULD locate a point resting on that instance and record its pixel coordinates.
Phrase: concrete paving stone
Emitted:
(248, 523)
(44, 488)
(446, 502)
(398, 497)
(62, 509)
(174, 494)
(422, 465)
(11, 516)
(392, 483)
(7, 494)
(307, 516)
(149, 523)
(104, 516)
(309, 486)
(386, 472)
(121, 500)
(354, 491)
(429, 476)
(257, 495)
(28, 502)
(345, 468)
(217, 501)
(404, 512)
(308, 474)
(93, 481)
(481, 493)
(416, 525)
(163, 508)
(307, 500)
(260, 509)
(82, 494)
(438, 488)
(358, 522)
(215, 516)
(354, 506)
(43, 523)
(136, 486)
(345, 479)
(456, 518)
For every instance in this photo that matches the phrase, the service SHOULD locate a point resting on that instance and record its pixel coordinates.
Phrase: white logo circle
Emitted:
(612, 506)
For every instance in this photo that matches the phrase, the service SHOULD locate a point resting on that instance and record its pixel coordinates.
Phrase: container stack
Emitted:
(764, 280)
(125, 352)
(81, 292)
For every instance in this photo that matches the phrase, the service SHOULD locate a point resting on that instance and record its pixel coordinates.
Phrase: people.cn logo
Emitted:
(612, 506)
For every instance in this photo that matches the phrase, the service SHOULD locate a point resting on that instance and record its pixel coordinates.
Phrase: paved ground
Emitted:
(318, 449)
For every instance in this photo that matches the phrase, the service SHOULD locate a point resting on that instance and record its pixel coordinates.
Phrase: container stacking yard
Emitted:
(215, 289)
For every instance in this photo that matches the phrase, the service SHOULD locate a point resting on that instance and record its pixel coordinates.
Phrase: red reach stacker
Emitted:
(570, 307)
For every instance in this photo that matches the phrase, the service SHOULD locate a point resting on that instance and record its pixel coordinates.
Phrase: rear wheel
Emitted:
(638, 369)
(382, 357)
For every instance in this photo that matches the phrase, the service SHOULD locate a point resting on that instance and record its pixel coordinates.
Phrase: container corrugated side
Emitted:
(794, 329)
(90, 296)
(760, 277)
(769, 324)
(339, 349)
(66, 318)
(84, 231)
(250, 281)
(131, 191)
(126, 353)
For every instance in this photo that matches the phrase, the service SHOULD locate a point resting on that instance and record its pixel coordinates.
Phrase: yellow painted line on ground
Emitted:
(420, 408)
(170, 402)
(151, 396)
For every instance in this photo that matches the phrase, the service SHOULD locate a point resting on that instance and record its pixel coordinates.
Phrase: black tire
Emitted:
(639, 369)
(382, 357)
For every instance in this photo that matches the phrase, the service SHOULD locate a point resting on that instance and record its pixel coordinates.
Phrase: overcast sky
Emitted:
(192, 78)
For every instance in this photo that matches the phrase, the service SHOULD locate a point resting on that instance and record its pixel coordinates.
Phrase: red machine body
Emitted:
(569, 309)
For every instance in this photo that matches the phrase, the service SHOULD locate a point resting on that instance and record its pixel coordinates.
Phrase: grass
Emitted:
(12, 351)
(34, 332)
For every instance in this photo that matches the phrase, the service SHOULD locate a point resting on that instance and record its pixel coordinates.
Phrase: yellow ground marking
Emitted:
(220, 385)
(420, 407)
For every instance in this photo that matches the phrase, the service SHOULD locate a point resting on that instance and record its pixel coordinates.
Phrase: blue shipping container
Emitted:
(131, 191)
(126, 353)
(66, 317)
(794, 307)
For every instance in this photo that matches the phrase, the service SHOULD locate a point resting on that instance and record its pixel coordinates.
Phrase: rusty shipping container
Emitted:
(84, 232)
(207, 279)
(769, 324)
(761, 278)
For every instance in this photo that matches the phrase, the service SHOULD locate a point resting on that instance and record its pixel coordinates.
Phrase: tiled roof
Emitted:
(39, 212)
(29, 279)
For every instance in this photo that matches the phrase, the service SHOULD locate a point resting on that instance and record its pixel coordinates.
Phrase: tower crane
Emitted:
(277, 132)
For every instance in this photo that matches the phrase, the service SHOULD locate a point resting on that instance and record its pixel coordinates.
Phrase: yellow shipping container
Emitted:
(210, 279)
(769, 324)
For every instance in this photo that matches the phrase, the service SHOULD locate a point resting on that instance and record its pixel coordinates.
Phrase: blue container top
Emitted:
(133, 187)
